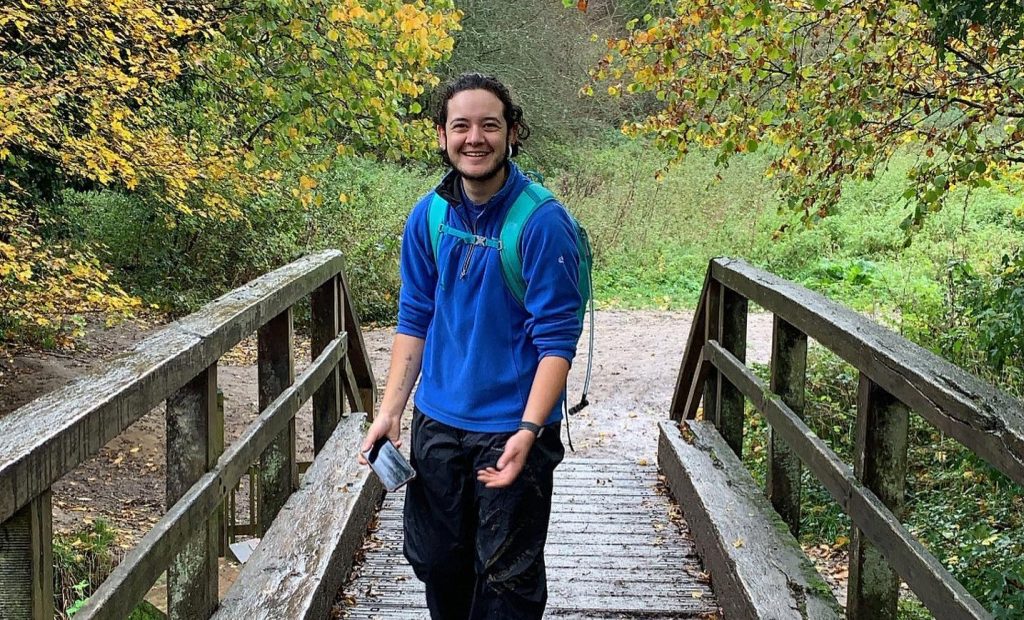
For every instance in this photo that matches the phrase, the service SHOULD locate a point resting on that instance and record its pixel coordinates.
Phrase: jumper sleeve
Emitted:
(419, 275)
(551, 263)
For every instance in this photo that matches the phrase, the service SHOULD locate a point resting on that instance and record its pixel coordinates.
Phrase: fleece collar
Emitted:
(450, 187)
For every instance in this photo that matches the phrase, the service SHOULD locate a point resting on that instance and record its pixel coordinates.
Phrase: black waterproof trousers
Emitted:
(479, 551)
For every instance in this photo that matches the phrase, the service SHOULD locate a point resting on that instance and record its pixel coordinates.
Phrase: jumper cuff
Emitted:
(410, 330)
(566, 354)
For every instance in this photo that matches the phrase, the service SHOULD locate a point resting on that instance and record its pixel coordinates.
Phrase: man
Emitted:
(486, 421)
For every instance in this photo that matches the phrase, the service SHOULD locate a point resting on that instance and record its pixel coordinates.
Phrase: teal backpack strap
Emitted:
(528, 201)
(435, 220)
(470, 238)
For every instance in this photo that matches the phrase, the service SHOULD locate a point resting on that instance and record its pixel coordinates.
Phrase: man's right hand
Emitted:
(383, 424)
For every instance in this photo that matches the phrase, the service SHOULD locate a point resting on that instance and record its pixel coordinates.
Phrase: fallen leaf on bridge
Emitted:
(738, 543)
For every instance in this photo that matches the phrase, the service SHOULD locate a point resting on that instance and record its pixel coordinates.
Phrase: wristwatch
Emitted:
(530, 426)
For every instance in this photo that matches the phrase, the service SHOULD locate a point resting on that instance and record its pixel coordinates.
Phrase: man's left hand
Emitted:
(511, 462)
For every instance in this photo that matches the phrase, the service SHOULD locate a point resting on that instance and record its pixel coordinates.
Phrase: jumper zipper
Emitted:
(469, 252)
(465, 263)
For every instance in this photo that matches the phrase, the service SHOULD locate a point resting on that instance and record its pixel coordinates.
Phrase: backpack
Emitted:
(529, 200)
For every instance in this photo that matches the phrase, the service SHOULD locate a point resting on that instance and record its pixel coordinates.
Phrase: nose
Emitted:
(475, 136)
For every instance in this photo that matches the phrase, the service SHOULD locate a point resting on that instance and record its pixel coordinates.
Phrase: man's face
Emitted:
(475, 136)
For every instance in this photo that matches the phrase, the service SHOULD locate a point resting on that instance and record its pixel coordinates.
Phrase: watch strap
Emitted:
(530, 426)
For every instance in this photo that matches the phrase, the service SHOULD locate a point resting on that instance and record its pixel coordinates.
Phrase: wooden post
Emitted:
(880, 463)
(712, 331)
(195, 438)
(324, 328)
(222, 536)
(789, 376)
(279, 472)
(26, 562)
(356, 360)
(733, 325)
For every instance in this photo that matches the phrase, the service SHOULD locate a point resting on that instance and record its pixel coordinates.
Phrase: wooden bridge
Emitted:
(619, 547)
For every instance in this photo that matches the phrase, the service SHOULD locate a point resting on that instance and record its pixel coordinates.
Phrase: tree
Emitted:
(197, 106)
(836, 87)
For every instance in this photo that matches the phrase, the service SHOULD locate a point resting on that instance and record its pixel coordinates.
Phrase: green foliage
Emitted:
(81, 560)
(842, 87)
(358, 206)
(1001, 20)
(989, 309)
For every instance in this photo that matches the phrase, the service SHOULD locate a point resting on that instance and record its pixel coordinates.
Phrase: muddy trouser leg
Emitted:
(512, 527)
(438, 518)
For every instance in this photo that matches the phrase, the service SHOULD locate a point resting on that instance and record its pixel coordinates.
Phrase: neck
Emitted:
(481, 191)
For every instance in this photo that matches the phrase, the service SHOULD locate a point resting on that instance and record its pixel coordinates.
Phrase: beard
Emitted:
(487, 175)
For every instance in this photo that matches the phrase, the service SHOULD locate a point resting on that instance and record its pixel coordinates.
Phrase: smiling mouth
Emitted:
(476, 153)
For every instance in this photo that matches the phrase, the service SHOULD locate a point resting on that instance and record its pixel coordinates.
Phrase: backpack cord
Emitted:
(586, 382)
(590, 367)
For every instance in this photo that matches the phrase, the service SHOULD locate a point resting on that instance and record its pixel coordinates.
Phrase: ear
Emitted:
(442, 138)
(513, 135)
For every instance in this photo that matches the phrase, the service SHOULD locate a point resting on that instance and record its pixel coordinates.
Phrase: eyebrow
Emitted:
(485, 119)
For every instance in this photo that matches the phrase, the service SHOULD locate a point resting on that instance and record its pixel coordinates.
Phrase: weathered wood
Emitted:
(47, 438)
(359, 357)
(733, 325)
(981, 417)
(745, 546)
(26, 562)
(788, 379)
(350, 385)
(303, 558)
(880, 463)
(141, 567)
(929, 580)
(692, 371)
(195, 438)
(639, 564)
(279, 472)
(324, 327)
(712, 331)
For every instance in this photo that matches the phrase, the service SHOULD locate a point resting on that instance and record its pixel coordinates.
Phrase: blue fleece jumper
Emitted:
(482, 346)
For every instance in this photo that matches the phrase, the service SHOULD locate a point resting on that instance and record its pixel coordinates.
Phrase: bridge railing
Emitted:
(896, 377)
(46, 439)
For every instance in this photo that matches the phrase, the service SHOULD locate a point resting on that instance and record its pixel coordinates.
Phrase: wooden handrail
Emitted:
(896, 376)
(46, 439)
(980, 416)
(142, 566)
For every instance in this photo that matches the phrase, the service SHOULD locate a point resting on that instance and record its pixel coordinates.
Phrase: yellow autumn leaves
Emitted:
(197, 108)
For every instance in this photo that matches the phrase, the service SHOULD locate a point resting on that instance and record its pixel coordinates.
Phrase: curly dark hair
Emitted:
(472, 81)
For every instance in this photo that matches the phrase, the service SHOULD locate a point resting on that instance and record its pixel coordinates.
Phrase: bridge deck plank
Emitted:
(616, 549)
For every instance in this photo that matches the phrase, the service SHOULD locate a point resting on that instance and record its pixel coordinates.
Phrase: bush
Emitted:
(81, 561)
(359, 206)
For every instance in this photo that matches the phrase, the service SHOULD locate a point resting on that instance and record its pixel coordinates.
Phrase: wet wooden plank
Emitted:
(758, 567)
(617, 554)
(302, 560)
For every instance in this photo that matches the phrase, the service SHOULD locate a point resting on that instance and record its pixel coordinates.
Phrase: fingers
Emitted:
(504, 459)
(378, 429)
(494, 479)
